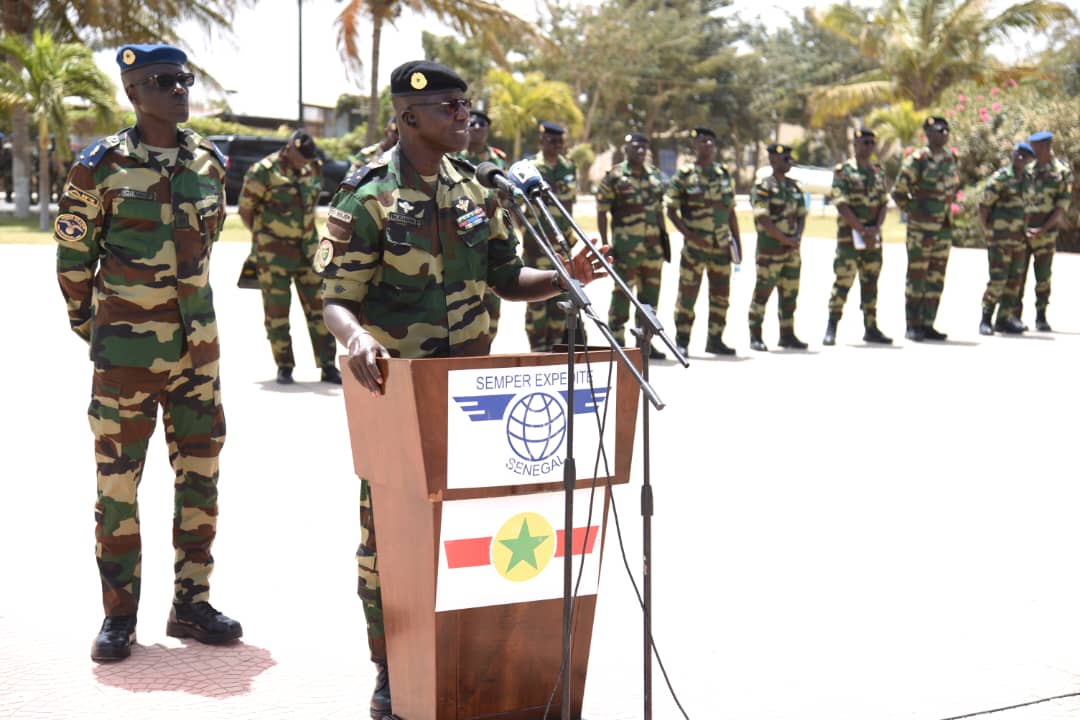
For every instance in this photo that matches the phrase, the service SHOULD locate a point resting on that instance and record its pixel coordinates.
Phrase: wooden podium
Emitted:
(497, 660)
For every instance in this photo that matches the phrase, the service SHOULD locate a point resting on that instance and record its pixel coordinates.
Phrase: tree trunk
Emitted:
(373, 108)
(17, 17)
(44, 179)
(586, 132)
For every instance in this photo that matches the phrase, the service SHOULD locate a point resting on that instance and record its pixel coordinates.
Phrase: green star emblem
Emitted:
(523, 547)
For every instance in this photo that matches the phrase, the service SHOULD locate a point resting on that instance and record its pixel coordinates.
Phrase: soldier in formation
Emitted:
(410, 247)
(858, 191)
(701, 206)
(277, 204)
(632, 192)
(378, 150)
(779, 217)
(139, 214)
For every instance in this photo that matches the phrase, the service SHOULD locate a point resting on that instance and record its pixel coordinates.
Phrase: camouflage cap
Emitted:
(778, 149)
(423, 76)
(130, 57)
(1041, 136)
(302, 141)
(934, 120)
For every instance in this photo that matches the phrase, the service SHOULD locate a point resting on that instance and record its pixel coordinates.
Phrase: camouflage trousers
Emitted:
(643, 277)
(367, 585)
(927, 258)
(848, 261)
(1006, 260)
(781, 271)
(276, 277)
(716, 263)
(123, 414)
(545, 321)
(493, 304)
(1042, 250)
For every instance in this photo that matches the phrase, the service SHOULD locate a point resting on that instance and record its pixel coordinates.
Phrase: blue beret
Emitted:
(1042, 136)
(130, 57)
(551, 128)
(1025, 148)
(423, 76)
(636, 138)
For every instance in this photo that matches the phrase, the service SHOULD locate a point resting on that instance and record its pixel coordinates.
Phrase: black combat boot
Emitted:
(985, 328)
(873, 335)
(113, 641)
(929, 333)
(330, 374)
(915, 333)
(284, 376)
(1008, 325)
(380, 698)
(789, 341)
(756, 343)
(1040, 321)
(201, 621)
(830, 333)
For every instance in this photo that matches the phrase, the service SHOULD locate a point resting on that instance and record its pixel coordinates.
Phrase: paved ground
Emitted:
(846, 533)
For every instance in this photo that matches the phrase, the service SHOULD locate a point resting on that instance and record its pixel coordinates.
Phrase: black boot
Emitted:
(830, 333)
(789, 341)
(929, 333)
(873, 335)
(380, 698)
(1008, 325)
(201, 621)
(330, 374)
(1040, 321)
(113, 641)
(985, 328)
(284, 376)
(717, 347)
(756, 343)
(914, 333)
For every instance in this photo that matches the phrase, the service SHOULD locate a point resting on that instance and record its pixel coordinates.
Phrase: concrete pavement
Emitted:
(848, 533)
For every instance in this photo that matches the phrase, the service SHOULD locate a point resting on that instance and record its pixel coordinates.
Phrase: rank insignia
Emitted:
(472, 218)
(69, 227)
(463, 204)
(81, 196)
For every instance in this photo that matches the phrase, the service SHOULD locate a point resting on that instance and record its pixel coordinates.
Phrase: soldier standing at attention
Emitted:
(410, 247)
(277, 204)
(925, 190)
(779, 216)
(476, 152)
(545, 322)
(702, 207)
(1050, 194)
(138, 216)
(633, 192)
(1002, 215)
(858, 190)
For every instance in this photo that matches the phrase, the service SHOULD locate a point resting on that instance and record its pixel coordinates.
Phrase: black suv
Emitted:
(243, 151)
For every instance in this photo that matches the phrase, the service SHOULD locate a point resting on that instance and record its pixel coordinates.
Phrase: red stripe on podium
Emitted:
(471, 552)
(581, 541)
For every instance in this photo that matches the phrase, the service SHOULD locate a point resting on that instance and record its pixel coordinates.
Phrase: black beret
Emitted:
(707, 132)
(423, 76)
(302, 142)
(778, 149)
(863, 133)
(480, 114)
(550, 128)
(130, 57)
(935, 120)
(635, 138)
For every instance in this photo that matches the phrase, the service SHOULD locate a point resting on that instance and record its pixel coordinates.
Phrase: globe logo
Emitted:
(536, 426)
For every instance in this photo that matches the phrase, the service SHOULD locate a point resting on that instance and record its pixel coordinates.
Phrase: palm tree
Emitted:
(922, 47)
(516, 105)
(897, 125)
(42, 74)
(484, 21)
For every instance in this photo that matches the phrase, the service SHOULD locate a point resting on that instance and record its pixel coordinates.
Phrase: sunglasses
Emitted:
(167, 81)
(478, 124)
(452, 107)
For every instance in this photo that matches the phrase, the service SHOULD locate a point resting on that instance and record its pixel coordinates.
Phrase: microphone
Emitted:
(527, 178)
(489, 175)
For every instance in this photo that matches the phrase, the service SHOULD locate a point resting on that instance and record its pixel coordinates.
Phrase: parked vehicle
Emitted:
(243, 151)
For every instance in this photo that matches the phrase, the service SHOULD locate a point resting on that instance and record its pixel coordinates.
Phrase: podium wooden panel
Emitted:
(486, 663)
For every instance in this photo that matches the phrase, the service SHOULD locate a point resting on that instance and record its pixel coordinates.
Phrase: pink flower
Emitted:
(959, 108)
(995, 91)
(1012, 83)
(961, 98)
(949, 113)
(979, 98)
(960, 195)
(996, 107)
(955, 150)
(955, 209)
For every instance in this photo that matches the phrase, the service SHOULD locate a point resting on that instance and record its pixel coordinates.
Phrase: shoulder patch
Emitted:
(358, 176)
(69, 227)
(462, 164)
(91, 156)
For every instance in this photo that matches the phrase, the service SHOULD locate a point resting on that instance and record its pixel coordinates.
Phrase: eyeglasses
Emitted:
(452, 106)
(167, 81)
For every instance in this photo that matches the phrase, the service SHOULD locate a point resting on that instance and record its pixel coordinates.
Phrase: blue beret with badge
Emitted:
(636, 138)
(549, 128)
(1041, 136)
(424, 76)
(1023, 147)
(130, 57)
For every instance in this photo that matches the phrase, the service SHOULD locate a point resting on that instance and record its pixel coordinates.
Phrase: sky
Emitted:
(258, 63)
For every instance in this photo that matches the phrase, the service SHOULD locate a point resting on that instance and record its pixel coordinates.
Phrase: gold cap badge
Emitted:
(128, 56)
(418, 81)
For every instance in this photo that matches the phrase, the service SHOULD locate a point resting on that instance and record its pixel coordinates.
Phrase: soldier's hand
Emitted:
(363, 350)
(586, 267)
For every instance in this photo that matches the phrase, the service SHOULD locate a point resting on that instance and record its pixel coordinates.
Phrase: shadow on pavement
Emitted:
(194, 668)
(318, 388)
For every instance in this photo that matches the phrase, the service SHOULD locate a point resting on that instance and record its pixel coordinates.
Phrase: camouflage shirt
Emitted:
(782, 202)
(705, 198)
(1050, 188)
(635, 203)
(562, 177)
(493, 155)
(413, 261)
(926, 187)
(133, 250)
(1004, 196)
(283, 201)
(860, 188)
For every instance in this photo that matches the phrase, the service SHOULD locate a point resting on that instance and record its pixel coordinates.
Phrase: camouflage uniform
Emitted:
(925, 190)
(705, 199)
(778, 265)
(1003, 196)
(545, 321)
(492, 302)
(636, 205)
(283, 201)
(1050, 188)
(862, 190)
(412, 263)
(134, 238)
